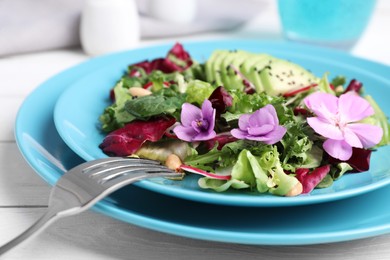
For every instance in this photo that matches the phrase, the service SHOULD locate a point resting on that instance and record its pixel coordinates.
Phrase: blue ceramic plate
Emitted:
(42, 147)
(77, 111)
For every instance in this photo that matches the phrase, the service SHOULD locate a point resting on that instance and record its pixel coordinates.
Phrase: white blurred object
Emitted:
(108, 26)
(178, 11)
(210, 15)
(27, 26)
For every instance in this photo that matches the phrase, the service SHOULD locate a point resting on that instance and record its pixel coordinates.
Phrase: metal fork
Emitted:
(86, 184)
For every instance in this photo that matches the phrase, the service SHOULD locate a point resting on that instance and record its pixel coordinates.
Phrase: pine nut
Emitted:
(173, 162)
(139, 92)
(296, 190)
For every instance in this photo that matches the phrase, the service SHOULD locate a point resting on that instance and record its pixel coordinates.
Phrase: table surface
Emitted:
(23, 195)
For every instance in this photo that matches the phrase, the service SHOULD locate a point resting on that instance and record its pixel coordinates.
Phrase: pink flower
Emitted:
(262, 125)
(337, 120)
(196, 124)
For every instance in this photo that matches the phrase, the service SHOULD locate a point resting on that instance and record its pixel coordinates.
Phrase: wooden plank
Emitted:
(19, 184)
(94, 236)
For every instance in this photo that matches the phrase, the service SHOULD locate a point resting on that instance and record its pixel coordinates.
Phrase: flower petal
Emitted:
(261, 130)
(351, 138)
(323, 105)
(208, 112)
(239, 134)
(324, 128)
(338, 149)
(189, 113)
(255, 138)
(243, 122)
(195, 126)
(264, 116)
(276, 135)
(204, 136)
(353, 108)
(270, 138)
(185, 133)
(212, 122)
(369, 135)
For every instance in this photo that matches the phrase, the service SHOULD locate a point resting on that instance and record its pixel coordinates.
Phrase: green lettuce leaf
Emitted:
(244, 103)
(326, 182)
(167, 103)
(262, 173)
(324, 86)
(339, 81)
(220, 185)
(197, 91)
(115, 115)
(379, 119)
(204, 161)
(259, 173)
(281, 182)
(340, 169)
(160, 150)
(243, 171)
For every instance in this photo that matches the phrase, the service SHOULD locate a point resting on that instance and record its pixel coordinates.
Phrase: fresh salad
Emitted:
(243, 121)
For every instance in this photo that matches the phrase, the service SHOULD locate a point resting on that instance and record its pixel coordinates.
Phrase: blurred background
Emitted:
(95, 25)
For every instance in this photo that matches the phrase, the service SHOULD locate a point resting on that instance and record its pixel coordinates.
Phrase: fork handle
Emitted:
(58, 210)
(49, 217)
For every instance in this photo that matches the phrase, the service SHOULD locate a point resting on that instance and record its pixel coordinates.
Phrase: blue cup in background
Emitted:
(334, 23)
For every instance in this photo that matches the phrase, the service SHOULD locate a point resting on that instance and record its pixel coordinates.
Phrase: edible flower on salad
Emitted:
(337, 120)
(196, 124)
(262, 125)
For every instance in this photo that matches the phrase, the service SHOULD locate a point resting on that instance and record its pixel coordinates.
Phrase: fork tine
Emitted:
(131, 171)
(113, 171)
(112, 161)
(126, 177)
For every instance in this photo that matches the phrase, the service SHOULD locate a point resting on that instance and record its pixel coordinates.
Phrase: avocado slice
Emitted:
(252, 68)
(230, 78)
(209, 66)
(265, 72)
(213, 69)
(282, 76)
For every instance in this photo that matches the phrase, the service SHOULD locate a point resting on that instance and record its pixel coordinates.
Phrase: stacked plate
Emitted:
(57, 128)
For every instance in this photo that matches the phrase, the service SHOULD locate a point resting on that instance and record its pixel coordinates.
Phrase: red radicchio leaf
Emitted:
(359, 161)
(135, 73)
(222, 139)
(112, 95)
(301, 111)
(220, 99)
(167, 65)
(179, 52)
(149, 85)
(310, 180)
(354, 85)
(147, 66)
(128, 139)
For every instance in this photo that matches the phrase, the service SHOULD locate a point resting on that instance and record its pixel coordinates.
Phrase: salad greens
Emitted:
(244, 121)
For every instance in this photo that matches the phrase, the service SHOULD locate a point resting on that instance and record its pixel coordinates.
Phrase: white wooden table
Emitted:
(23, 195)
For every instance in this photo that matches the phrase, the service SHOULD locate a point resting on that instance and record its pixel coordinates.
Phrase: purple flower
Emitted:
(196, 124)
(337, 121)
(262, 125)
